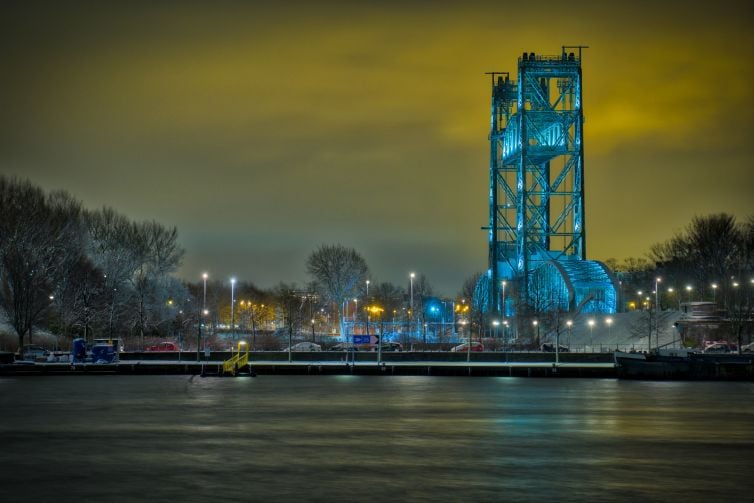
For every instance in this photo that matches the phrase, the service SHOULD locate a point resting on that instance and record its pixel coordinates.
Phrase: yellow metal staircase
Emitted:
(237, 361)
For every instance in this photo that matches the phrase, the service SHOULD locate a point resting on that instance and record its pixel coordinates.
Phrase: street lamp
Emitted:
(204, 314)
(411, 310)
(688, 292)
(657, 311)
(609, 322)
(569, 324)
(536, 325)
(453, 318)
(253, 327)
(591, 335)
(714, 293)
(435, 310)
(233, 306)
(367, 290)
(671, 291)
(355, 310)
(204, 300)
(495, 323)
(504, 283)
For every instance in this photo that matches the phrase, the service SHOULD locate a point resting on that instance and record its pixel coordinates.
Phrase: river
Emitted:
(373, 438)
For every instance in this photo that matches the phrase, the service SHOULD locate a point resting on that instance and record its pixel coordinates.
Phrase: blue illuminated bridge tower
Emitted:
(536, 231)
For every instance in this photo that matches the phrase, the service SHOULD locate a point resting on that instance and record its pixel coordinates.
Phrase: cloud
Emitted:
(282, 126)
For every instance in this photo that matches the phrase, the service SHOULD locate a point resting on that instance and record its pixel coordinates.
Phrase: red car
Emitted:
(462, 348)
(163, 346)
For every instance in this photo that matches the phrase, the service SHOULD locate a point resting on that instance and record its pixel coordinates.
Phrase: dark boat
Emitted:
(684, 364)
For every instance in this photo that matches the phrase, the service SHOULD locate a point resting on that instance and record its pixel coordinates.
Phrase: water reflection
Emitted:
(362, 438)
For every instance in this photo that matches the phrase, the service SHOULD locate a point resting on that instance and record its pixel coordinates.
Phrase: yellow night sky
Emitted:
(264, 129)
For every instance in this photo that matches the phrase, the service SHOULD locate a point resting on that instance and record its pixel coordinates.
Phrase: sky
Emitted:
(262, 130)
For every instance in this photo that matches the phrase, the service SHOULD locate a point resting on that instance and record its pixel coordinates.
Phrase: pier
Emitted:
(329, 363)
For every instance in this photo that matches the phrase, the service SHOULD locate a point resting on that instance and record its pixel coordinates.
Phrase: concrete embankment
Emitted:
(405, 363)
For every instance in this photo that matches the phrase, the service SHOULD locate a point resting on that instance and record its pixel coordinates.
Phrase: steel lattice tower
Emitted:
(536, 171)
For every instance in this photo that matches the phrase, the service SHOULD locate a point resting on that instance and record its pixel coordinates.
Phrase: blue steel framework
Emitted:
(537, 181)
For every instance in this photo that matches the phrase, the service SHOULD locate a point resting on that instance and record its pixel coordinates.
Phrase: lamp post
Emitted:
(591, 335)
(609, 322)
(714, 293)
(557, 345)
(688, 292)
(253, 328)
(367, 290)
(536, 326)
(468, 347)
(453, 314)
(503, 306)
(411, 309)
(657, 311)
(738, 307)
(204, 300)
(670, 293)
(202, 317)
(233, 306)
(569, 324)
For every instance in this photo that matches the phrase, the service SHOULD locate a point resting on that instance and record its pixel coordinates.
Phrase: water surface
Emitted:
(374, 438)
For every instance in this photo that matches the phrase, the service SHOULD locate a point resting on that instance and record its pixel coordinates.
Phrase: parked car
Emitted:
(475, 347)
(748, 348)
(31, 352)
(304, 346)
(389, 346)
(344, 346)
(163, 346)
(719, 347)
(550, 348)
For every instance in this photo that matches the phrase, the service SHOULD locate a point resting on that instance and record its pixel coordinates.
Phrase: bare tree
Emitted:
(710, 249)
(339, 272)
(109, 250)
(39, 236)
(475, 291)
(290, 304)
(157, 254)
(390, 299)
(79, 299)
(422, 290)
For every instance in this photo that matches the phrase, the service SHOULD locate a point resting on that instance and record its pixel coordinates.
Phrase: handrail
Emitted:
(237, 361)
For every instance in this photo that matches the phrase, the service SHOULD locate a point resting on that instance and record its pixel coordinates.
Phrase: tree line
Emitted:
(77, 272)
